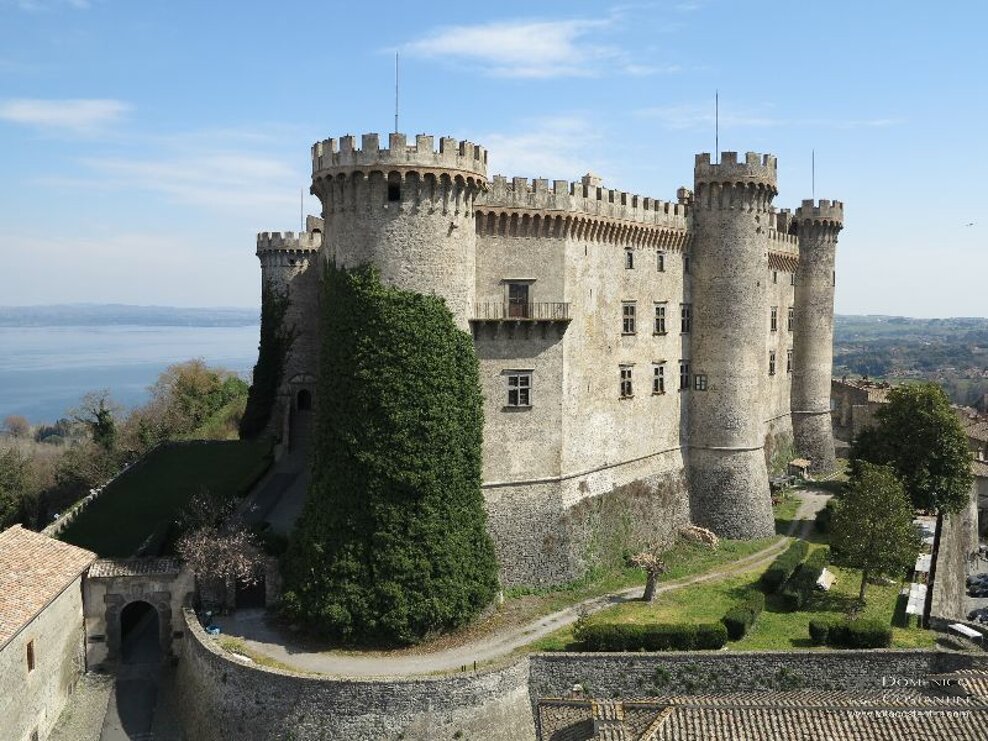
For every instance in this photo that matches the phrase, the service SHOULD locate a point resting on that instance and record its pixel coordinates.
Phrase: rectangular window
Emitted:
(771, 362)
(792, 279)
(684, 375)
(519, 388)
(660, 319)
(700, 382)
(660, 261)
(775, 276)
(30, 656)
(629, 259)
(659, 378)
(394, 192)
(774, 318)
(791, 318)
(518, 300)
(685, 318)
(626, 389)
(686, 263)
(628, 317)
(788, 361)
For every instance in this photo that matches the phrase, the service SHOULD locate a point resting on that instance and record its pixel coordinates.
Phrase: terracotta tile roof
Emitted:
(110, 567)
(979, 468)
(34, 569)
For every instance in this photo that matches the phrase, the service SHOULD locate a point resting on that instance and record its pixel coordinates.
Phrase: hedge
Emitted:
(825, 516)
(742, 616)
(784, 566)
(800, 587)
(842, 633)
(650, 637)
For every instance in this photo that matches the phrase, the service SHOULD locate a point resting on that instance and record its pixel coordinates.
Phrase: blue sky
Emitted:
(145, 143)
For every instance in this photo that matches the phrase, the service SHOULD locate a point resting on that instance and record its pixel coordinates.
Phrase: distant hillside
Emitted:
(952, 352)
(94, 315)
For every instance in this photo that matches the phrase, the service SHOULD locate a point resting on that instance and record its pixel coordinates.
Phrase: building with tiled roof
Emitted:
(42, 649)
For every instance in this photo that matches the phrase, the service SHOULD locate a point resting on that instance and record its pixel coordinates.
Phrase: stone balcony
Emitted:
(504, 311)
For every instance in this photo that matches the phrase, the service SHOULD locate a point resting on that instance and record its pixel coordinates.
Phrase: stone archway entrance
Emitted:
(140, 633)
(303, 401)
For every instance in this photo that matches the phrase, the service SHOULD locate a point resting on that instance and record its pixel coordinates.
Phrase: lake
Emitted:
(45, 371)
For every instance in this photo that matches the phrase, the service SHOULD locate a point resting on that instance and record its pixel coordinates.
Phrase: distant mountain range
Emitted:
(96, 315)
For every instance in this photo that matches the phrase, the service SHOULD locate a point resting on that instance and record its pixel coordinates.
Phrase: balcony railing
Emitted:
(500, 311)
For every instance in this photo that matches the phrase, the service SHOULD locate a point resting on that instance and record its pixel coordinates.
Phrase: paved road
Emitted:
(251, 627)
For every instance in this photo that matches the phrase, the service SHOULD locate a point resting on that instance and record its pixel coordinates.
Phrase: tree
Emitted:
(97, 412)
(392, 543)
(872, 527)
(920, 437)
(277, 339)
(17, 426)
(653, 566)
(14, 486)
(222, 554)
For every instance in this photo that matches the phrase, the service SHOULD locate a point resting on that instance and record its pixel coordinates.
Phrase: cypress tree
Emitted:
(392, 544)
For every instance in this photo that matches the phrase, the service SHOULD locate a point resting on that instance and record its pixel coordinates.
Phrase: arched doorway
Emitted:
(140, 634)
(303, 402)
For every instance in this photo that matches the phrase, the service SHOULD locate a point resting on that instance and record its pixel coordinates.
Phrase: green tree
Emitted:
(14, 486)
(276, 342)
(920, 437)
(392, 544)
(872, 527)
(97, 413)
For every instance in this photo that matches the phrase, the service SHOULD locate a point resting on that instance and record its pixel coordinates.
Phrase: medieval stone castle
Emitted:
(641, 360)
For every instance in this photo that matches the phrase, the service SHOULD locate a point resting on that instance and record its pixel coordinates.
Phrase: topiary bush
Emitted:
(861, 633)
(392, 545)
(739, 619)
(651, 637)
(783, 566)
(801, 585)
(819, 630)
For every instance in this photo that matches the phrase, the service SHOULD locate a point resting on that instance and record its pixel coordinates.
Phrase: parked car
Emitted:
(979, 615)
(978, 590)
(977, 579)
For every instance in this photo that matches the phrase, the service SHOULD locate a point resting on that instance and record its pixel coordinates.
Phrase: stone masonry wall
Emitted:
(32, 700)
(220, 698)
(958, 540)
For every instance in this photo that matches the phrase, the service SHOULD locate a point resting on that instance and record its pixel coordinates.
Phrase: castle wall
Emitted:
(777, 388)
(32, 700)
(219, 698)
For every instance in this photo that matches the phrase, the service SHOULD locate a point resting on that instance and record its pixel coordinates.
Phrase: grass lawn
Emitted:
(774, 629)
(144, 501)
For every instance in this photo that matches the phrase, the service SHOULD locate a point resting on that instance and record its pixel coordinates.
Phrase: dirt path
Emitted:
(261, 639)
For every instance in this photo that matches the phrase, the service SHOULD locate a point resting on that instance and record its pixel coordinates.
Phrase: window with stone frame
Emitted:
(659, 378)
(660, 261)
(771, 362)
(660, 318)
(627, 390)
(30, 656)
(791, 318)
(792, 279)
(684, 375)
(788, 361)
(629, 259)
(775, 276)
(700, 382)
(628, 311)
(774, 318)
(685, 318)
(519, 388)
(518, 300)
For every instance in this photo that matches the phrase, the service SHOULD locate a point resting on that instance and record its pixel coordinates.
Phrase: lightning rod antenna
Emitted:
(396, 92)
(301, 209)
(717, 126)
(813, 174)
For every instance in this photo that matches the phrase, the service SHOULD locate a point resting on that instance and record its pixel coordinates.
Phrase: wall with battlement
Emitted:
(329, 155)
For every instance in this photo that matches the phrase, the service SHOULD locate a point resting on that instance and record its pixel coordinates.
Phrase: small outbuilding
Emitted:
(800, 467)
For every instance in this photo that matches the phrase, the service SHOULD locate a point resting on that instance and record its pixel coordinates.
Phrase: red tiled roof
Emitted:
(34, 569)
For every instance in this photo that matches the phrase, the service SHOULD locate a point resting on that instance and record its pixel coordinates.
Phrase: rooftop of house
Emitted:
(877, 390)
(34, 570)
(106, 568)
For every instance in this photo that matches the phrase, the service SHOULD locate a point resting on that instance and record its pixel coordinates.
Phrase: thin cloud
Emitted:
(562, 147)
(74, 115)
(35, 6)
(534, 49)
(692, 116)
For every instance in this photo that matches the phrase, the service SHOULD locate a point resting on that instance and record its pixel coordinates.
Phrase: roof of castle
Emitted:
(34, 570)
(757, 716)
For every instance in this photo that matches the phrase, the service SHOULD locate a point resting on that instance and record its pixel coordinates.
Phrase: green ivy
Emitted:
(276, 342)
(392, 545)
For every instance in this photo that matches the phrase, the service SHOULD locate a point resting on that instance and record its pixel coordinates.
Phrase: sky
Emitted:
(143, 144)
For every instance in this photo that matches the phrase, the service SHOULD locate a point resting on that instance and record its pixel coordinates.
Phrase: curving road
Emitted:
(249, 625)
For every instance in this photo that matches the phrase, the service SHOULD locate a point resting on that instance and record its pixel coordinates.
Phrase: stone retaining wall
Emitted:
(957, 542)
(222, 698)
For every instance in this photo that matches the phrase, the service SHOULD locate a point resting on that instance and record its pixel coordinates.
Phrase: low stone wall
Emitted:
(957, 542)
(221, 698)
(715, 672)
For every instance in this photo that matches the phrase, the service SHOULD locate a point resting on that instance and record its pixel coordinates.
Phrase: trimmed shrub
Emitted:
(392, 545)
(783, 566)
(742, 616)
(652, 637)
(799, 588)
(864, 633)
(825, 516)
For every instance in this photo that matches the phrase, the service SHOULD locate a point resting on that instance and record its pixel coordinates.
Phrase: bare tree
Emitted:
(16, 426)
(228, 554)
(653, 566)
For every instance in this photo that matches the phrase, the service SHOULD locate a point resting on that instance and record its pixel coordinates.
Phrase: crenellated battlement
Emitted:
(782, 241)
(756, 168)
(288, 242)
(332, 155)
(822, 211)
(584, 197)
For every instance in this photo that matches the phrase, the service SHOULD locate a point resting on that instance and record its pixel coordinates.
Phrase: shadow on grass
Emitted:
(899, 617)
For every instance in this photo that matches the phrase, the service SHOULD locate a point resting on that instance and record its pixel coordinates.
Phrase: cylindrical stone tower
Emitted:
(813, 341)
(408, 210)
(728, 479)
